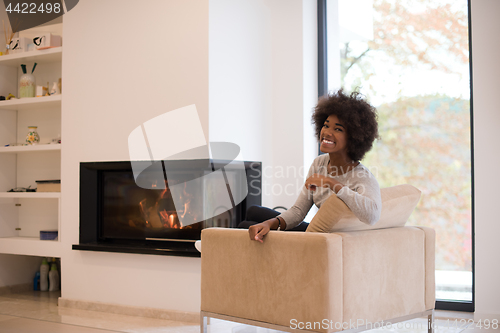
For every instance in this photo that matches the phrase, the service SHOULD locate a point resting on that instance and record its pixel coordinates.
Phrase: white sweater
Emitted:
(361, 194)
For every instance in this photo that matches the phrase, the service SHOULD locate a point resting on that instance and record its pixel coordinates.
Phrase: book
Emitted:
(48, 185)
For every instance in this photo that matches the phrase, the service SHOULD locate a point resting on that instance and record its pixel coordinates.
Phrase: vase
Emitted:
(27, 86)
(32, 138)
(55, 89)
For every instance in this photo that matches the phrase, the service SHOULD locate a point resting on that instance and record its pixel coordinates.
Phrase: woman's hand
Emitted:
(316, 180)
(259, 230)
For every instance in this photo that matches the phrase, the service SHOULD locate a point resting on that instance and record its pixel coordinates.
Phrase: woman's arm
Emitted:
(316, 180)
(361, 193)
(362, 196)
(288, 219)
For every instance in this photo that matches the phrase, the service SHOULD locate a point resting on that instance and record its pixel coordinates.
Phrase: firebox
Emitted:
(167, 216)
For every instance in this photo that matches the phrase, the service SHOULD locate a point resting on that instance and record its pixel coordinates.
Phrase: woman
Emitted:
(346, 126)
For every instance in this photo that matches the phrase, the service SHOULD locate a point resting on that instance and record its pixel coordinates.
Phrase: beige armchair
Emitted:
(320, 282)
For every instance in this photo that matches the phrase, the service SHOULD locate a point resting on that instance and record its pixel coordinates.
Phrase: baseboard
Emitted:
(452, 315)
(187, 317)
(486, 316)
(18, 288)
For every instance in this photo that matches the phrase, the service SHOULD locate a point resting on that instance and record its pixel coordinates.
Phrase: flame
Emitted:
(156, 216)
(170, 219)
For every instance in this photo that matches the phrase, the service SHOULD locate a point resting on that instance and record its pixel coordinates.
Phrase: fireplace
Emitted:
(119, 213)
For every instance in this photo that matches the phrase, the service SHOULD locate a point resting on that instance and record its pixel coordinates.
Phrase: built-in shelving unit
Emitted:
(24, 214)
(30, 246)
(26, 149)
(30, 195)
(53, 101)
(39, 56)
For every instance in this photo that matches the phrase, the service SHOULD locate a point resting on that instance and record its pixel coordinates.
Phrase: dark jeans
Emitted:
(257, 214)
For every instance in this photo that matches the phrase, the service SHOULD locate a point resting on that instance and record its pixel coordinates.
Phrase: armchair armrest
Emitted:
(430, 266)
(292, 275)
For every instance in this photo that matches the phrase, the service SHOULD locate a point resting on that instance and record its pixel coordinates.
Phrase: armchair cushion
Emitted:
(398, 203)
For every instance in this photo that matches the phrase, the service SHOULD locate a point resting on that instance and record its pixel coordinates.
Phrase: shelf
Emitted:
(30, 195)
(25, 149)
(39, 56)
(31, 103)
(30, 246)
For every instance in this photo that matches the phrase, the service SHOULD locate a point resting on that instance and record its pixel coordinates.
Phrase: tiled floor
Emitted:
(38, 312)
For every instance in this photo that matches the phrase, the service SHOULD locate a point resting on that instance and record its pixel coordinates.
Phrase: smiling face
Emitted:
(333, 137)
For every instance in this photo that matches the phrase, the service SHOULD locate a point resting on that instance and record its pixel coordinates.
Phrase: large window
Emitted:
(411, 59)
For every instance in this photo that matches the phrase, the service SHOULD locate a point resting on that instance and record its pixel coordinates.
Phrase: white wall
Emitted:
(240, 74)
(123, 64)
(263, 85)
(250, 59)
(486, 82)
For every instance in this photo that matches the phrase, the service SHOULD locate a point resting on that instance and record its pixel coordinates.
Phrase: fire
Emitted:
(162, 213)
(170, 219)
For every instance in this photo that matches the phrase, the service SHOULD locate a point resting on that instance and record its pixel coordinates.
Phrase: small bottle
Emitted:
(44, 275)
(36, 282)
(53, 278)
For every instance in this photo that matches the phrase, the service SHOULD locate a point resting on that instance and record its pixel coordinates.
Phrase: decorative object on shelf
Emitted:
(22, 189)
(32, 138)
(48, 234)
(10, 96)
(2, 98)
(9, 35)
(56, 140)
(30, 46)
(47, 41)
(19, 45)
(41, 91)
(27, 84)
(48, 185)
(55, 89)
(60, 85)
(47, 89)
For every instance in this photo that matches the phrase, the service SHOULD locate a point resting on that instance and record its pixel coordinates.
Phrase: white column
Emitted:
(486, 82)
